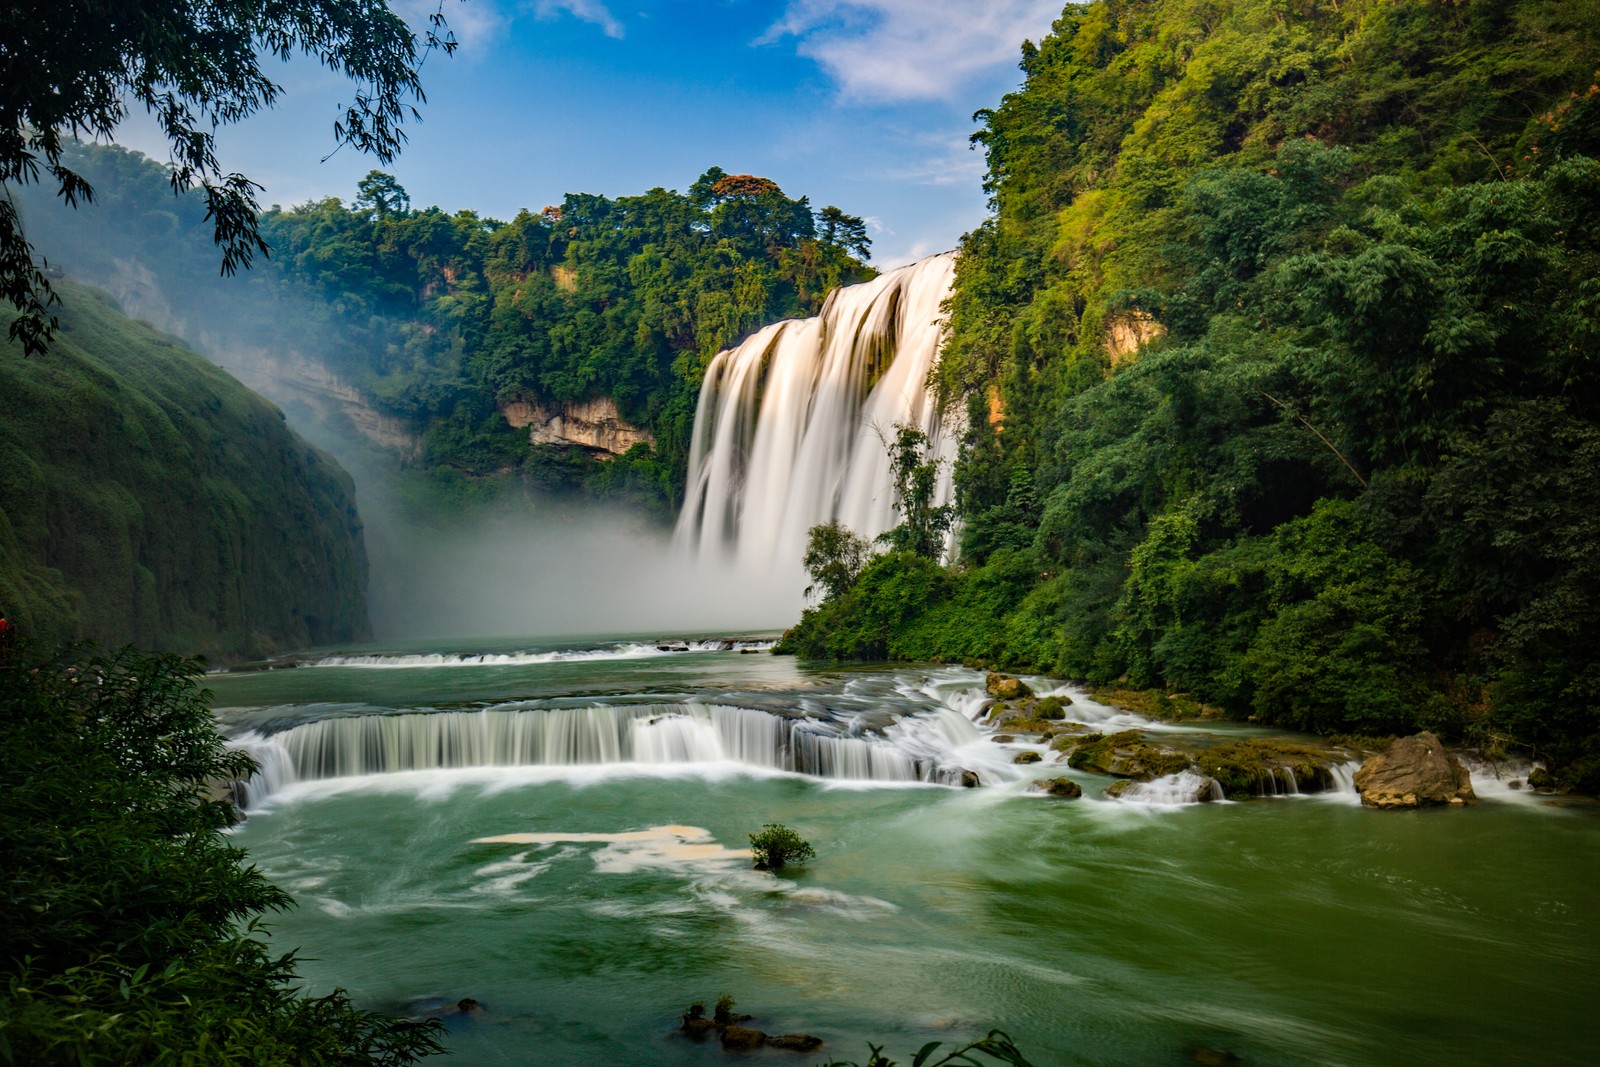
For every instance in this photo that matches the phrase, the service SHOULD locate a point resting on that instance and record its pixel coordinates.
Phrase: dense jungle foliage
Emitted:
(1282, 353)
(442, 318)
(146, 496)
(128, 925)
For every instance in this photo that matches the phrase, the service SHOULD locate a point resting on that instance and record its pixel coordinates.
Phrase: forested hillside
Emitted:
(442, 319)
(148, 497)
(1281, 353)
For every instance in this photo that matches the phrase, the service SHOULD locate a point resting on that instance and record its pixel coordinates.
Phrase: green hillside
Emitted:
(148, 497)
(1282, 351)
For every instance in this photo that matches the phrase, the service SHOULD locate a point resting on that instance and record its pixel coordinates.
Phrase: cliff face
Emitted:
(592, 424)
(147, 497)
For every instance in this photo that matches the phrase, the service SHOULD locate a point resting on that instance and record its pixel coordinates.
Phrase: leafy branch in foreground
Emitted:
(996, 1048)
(74, 68)
(128, 924)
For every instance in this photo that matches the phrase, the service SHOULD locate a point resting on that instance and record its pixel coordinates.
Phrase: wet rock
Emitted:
(970, 780)
(1126, 755)
(740, 1039)
(1214, 1057)
(1263, 767)
(1116, 789)
(795, 1042)
(1006, 687)
(1002, 739)
(1027, 757)
(1541, 779)
(1064, 788)
(1415, 772)
(1515, 783)
(1052, 709)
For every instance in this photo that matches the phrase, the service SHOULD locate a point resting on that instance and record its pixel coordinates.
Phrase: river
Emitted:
(1294, 930)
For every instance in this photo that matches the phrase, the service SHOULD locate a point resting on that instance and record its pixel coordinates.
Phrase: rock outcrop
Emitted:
(1415, 772)
(595, 425)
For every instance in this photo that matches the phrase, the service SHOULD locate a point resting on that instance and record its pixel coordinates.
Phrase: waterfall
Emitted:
(791, 426)
(915, 748)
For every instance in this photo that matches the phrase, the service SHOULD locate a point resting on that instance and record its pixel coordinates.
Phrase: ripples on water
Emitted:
(559, 832)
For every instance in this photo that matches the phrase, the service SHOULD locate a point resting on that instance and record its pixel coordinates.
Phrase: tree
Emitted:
(75, 67)
(129, 922)
(848, 232)
(916, 481)
(834, 557)
(381, 196)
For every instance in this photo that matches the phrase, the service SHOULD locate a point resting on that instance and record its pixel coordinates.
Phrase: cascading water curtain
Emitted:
(792, 426)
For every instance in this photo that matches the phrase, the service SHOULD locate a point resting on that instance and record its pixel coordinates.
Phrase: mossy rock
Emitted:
(1052, 708)
(1126, 755)
(1027, 757)
(1006, 686)
(1263, 767)
(1061, 788)
(1157, 704)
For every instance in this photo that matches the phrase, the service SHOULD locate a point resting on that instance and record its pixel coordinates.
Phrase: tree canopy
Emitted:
(74, 67)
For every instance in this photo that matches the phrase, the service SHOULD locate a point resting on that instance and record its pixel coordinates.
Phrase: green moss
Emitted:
(1254, 767)
(1156, 703)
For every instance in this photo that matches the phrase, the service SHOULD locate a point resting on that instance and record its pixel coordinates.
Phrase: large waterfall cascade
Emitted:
(792, 426)
(914, 748)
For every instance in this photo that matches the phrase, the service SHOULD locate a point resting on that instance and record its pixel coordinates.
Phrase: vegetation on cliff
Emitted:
(128, 923)
(1281, 348)
(146, 496)
(442, 318)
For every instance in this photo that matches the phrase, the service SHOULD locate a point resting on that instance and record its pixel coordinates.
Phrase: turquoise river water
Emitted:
(624, 780)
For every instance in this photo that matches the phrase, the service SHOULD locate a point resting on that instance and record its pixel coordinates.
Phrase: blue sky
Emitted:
(862, 103)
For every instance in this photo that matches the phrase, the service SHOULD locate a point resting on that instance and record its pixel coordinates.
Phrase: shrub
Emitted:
(776, 845)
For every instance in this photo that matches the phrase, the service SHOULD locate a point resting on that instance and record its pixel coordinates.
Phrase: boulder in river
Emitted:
(970, 780)
(1006, 687)
(795, 1042)
(742, 1039)
(1026, 756)
(1064, 788)
(1415, 772)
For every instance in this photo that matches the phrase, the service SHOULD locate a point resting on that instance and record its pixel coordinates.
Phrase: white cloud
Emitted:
(475, 23)
(940, 159)
(896, 50)
(588, 10)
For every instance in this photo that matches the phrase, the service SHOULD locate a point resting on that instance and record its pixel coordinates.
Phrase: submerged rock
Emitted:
(741, 1039)
(1064, 788)
(1002, 739)
(1415, 772)
(795, 1042)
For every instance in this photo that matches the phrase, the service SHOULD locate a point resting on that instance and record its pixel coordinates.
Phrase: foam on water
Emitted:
(624, 651)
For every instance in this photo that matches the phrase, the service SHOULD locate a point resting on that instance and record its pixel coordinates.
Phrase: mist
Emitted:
(525, 570)
(525, 566)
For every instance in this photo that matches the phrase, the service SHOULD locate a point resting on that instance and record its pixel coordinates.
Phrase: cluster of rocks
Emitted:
(725, 1024)
(1413, 772)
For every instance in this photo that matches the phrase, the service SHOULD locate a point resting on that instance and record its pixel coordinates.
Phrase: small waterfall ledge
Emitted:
(791, 426)
(919, 748)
